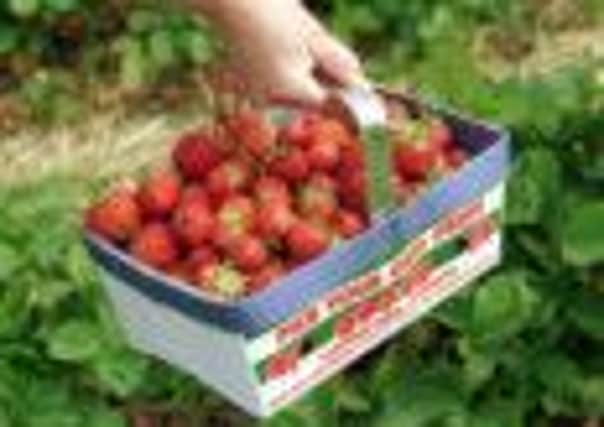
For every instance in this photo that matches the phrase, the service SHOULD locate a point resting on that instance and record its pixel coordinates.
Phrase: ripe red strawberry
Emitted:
(160, 194)
(318, 200)
(292, 166)
(202, 256)
(252, 131)
(194, 223)
(456, 157)
(266, 276)
(324, 155)
(195, 154)
(306, 241)
(299, 131)
(270, 191)
(117, 217)
(195, 193)
(415, 154)
(235, 218)
(228, 178)
(352, 158)
(333, 131)
(274, 221)
(155, 245)
(349, 224)
(440, 134)
(180, 271)
(248, 253)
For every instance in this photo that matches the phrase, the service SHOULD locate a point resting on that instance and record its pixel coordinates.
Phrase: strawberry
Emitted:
(324, 155)
(155, 245)
(179, 271)
(417, 152)
(117, 217)
(160, 194)
(222, 280)
(274, 221)
(349, 224)
(322, 181)
(248, 253)
(299, 131)
(195, 154)
(193, 222)
(318, 199)
(270, 191)
(292, 166)
(253, 132)
(456, 157)
(235, 218)
(333, 131)
(440, 134)
(202, 256)
(195, 193)
(352, 158)
(264, 277)
(306, 241)
(228, 178)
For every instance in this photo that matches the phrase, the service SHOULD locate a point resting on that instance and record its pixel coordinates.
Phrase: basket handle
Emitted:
(367, 108)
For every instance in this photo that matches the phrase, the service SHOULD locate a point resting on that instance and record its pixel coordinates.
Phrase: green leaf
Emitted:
(133, 65)
(120, 371)
(9, 261)
(24, 8)
(75, 341)
(503, 306)
(199, 48)
(9, 38)
(583, 235)
(144, 20)
(5, 419)
(103, 417)
(420, 405)
(161, 47)
(349, 398)
(62, 6)
(593, 394)
(587, 313)
(48, 293)
(533, 187)
(558, 373)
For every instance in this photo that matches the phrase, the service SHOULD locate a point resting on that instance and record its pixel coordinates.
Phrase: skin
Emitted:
(287, 55)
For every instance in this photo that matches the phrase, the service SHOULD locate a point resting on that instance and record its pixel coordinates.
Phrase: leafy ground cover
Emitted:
(525, 347)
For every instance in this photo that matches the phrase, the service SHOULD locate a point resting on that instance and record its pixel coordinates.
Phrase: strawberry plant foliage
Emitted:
(521, 347)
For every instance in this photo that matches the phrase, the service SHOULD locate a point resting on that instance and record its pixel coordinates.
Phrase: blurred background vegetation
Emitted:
(90, 89)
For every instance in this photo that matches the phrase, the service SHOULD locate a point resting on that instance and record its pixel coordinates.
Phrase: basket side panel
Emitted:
(216, 358)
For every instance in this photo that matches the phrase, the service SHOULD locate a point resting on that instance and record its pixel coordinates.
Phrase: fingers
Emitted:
(298, 88)
(333, 58)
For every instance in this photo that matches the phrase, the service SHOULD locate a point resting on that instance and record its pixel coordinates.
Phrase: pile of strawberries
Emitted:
(245, 201)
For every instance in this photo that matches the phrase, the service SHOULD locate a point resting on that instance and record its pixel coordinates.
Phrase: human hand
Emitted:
(282, 51)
